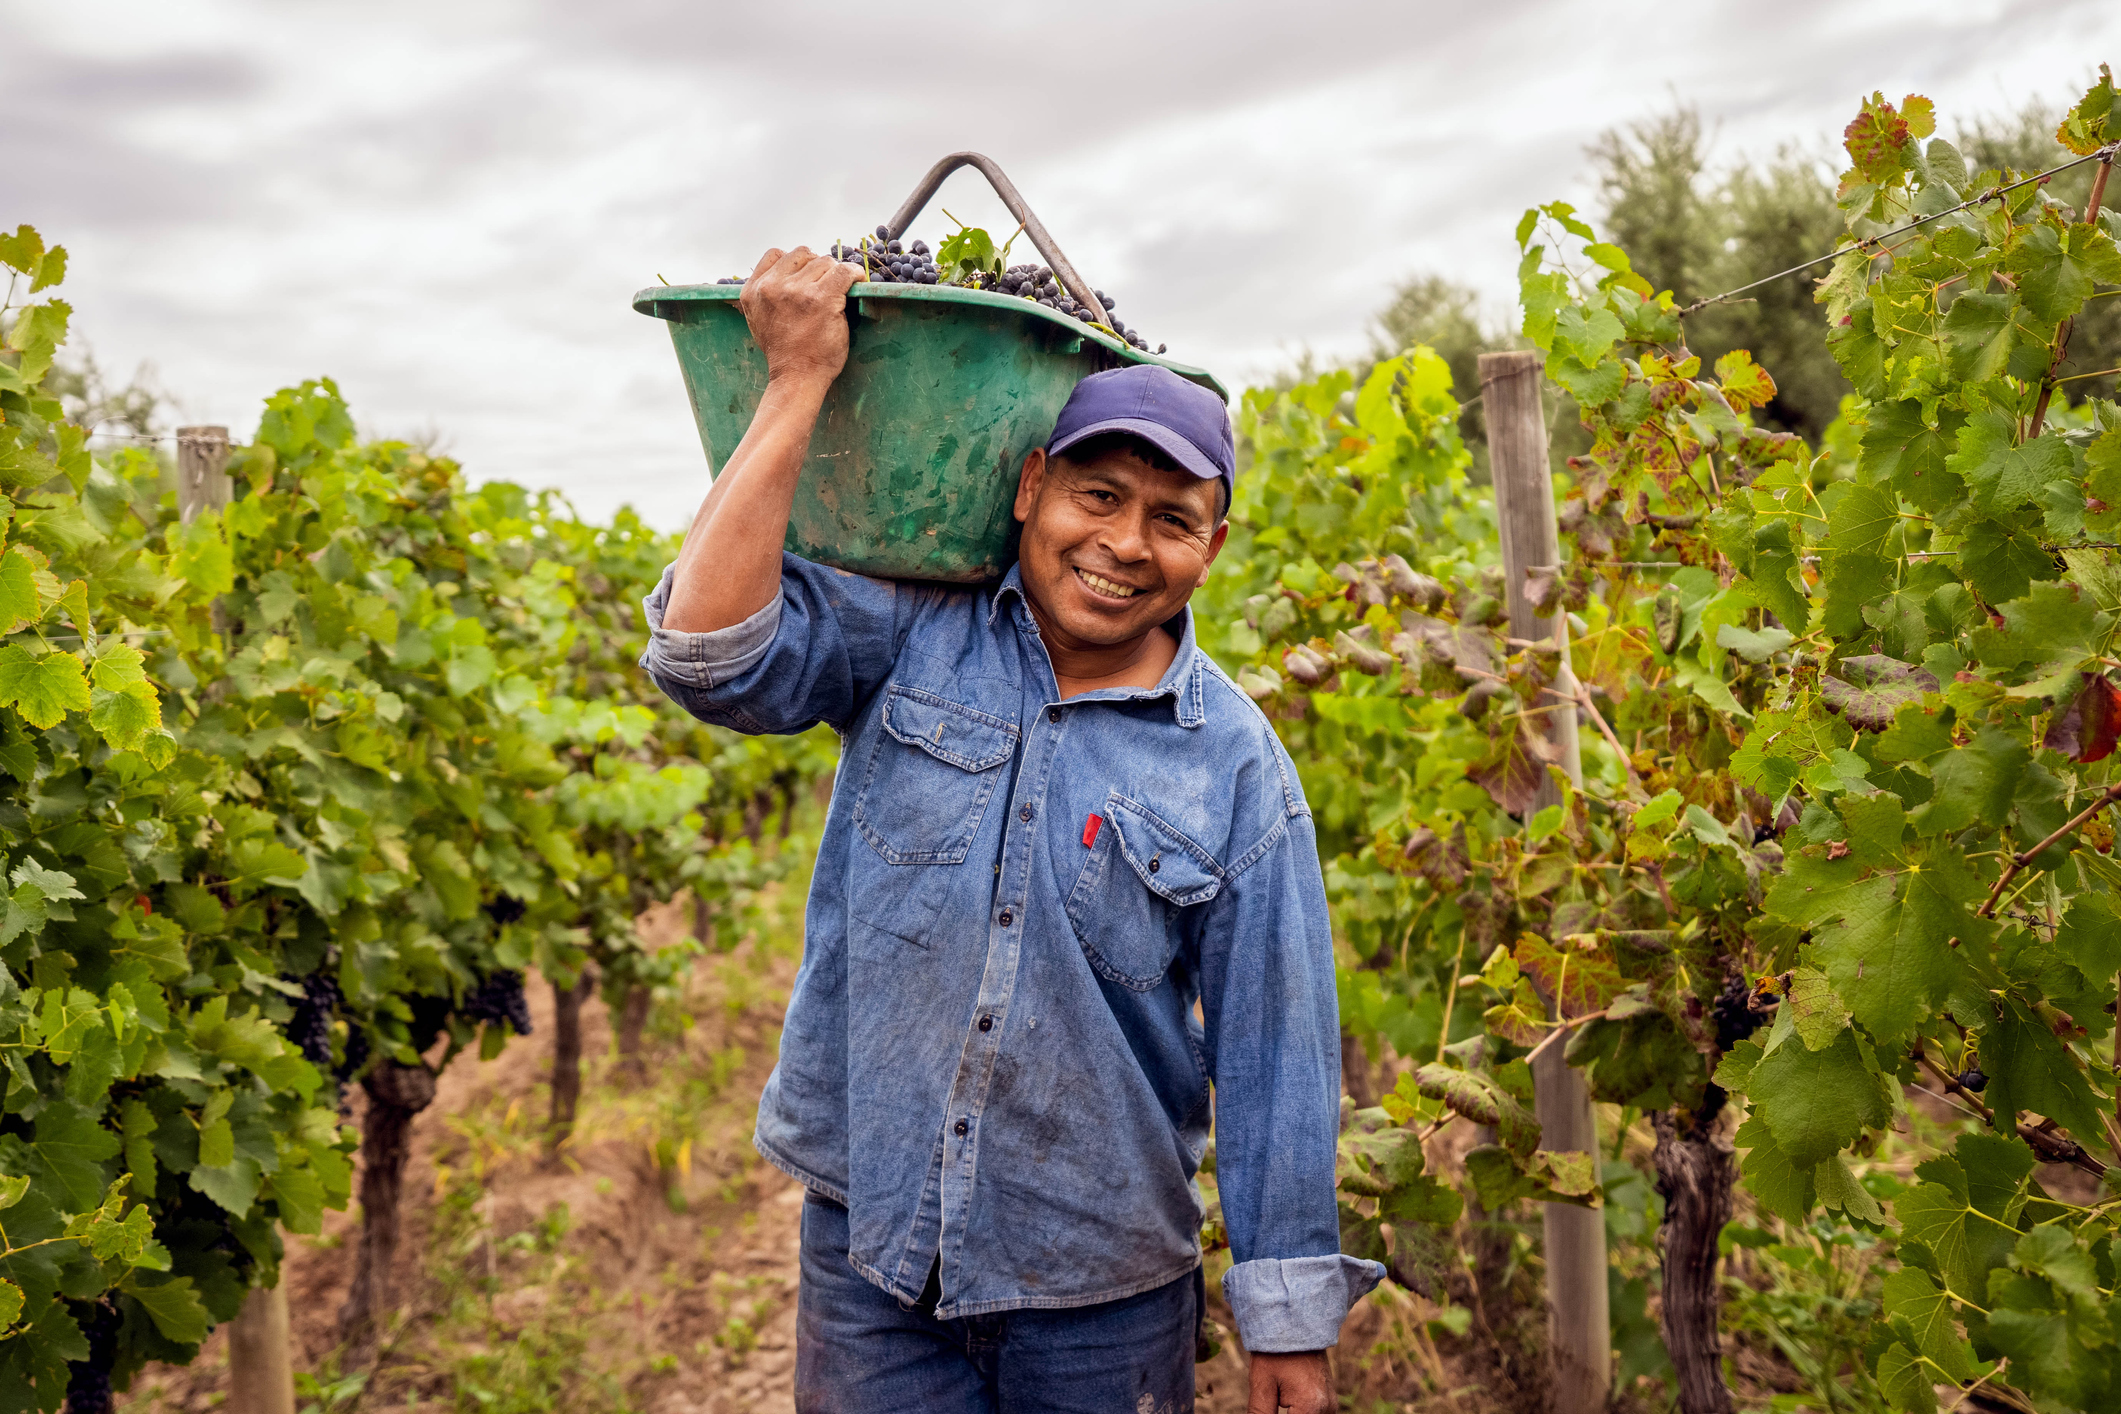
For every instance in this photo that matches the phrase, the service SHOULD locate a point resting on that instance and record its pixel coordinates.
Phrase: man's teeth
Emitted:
(1106, 586)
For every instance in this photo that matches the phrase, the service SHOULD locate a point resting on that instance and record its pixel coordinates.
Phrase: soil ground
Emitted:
(652, 1265)
(627, 1301)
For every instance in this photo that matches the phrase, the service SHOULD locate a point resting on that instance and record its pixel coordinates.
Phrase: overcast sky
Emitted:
(448, 206)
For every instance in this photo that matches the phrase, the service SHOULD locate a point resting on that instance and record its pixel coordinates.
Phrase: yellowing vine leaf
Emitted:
(43, 688)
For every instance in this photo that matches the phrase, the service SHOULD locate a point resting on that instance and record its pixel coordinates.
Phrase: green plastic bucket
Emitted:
(912, 470)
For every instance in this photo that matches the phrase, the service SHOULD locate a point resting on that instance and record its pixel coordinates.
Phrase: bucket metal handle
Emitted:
(1041, 238)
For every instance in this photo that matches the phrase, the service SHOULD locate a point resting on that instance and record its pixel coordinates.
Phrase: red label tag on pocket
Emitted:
(1090, 828)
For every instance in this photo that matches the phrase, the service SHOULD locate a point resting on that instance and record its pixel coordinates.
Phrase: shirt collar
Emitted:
(1181, 681)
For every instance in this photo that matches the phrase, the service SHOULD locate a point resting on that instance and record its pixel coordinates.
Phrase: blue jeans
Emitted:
(860, 1350)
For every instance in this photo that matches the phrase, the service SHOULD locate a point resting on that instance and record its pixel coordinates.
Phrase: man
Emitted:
(1056, 827)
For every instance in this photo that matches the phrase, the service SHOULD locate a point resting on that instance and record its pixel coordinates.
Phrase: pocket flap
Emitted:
(1168, 862)
(949, 731)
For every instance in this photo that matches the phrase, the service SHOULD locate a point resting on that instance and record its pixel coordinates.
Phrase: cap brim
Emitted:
(1172, 444)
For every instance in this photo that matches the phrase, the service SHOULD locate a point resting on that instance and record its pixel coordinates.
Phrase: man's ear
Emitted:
(1215, 547)
(1028, 481)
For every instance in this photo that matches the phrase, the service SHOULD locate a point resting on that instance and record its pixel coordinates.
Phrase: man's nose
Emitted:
(1127, 538)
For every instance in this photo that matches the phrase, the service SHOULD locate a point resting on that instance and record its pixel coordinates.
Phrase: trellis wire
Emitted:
(2104, 154)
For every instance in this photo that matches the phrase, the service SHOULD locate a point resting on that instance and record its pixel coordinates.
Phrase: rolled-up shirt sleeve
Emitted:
(813, 654)
(1273, 1030)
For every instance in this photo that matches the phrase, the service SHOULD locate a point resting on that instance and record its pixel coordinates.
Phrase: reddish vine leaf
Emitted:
(1521, 1018)
(1442, 861)
(1579, 980)
(1873, 689)
(1877, 139)
(1743, 381)
(1480, 1099)
(2084, 129)
(1513, 771)
(2088, 730)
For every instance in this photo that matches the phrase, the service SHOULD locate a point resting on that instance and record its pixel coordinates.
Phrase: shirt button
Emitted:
(986, 1023)
(961, 1128)
(1024, 815)
(1053, 715)
(1155, 864)
(1007, 918)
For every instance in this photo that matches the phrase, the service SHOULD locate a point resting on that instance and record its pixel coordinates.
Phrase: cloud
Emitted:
(72, 153)
(449, 208)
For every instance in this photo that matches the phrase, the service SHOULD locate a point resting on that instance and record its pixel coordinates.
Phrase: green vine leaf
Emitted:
(42, 687)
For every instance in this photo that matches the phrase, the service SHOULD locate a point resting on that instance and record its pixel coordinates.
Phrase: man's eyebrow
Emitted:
(1157, 494)
(1179, 503)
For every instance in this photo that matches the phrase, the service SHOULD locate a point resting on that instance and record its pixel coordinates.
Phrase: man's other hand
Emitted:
(796, 305)
(1301, 1382)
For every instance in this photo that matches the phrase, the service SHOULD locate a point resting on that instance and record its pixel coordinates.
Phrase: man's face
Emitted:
(1113, 548)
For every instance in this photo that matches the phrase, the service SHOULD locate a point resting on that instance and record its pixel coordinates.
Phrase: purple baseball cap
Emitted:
(1176, 416)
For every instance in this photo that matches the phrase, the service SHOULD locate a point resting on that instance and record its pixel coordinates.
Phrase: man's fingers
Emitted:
(826, 272)
(767, 261)
(790, 265)
(840, 278)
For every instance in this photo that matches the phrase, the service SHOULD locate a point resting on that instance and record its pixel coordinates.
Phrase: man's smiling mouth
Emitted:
(1103, 587)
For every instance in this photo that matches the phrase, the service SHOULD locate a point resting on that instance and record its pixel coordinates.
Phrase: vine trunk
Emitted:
(396, 1095)
(1695, 1172)
(567, 1055)
(633, 1020)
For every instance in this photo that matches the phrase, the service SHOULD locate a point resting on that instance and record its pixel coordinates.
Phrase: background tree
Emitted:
(1438, 313)
(2024, 141)
(1698, 230)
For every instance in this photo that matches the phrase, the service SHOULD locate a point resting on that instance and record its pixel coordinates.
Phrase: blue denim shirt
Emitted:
(991, 1054)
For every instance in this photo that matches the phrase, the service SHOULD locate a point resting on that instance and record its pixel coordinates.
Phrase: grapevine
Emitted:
(285, 799)
(1852, 715)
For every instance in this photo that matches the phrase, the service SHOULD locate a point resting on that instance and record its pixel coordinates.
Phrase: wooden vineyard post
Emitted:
(202, 471)
(1579, 1324)
(261, 1378)
(202, 483)
(260, 1368)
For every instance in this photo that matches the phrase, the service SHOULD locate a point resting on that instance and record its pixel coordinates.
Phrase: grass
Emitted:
(547, 1316)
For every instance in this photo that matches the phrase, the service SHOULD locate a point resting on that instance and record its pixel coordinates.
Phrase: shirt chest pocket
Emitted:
(1125, 905)
(930, 775)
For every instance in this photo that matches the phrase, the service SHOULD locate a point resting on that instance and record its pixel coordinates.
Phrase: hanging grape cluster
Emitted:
(310, 1027)
(498, 999)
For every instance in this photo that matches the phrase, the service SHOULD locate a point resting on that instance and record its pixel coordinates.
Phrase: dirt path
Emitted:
(653, 1268)
(685, 1305)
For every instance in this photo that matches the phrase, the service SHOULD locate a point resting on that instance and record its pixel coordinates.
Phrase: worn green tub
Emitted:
(912, 470)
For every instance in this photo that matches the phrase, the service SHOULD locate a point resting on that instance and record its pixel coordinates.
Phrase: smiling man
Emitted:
(1057, 828)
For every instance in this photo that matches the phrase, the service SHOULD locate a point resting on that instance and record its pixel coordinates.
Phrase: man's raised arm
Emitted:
(730, 566)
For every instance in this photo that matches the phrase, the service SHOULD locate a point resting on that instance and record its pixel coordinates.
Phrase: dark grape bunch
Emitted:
(310, 1027)
(888, 262)
(499, 998)
(1036, 282)
(505, 908)
(88, 1381)
(885, 261)
(350, 1064)
(1739, 1012)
